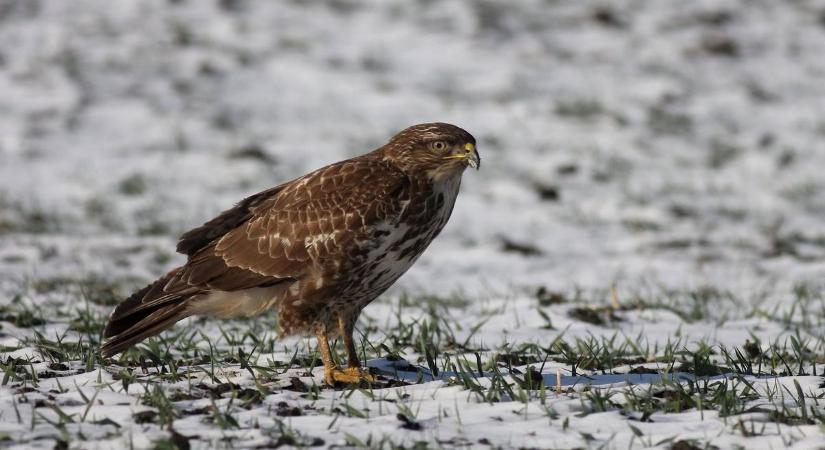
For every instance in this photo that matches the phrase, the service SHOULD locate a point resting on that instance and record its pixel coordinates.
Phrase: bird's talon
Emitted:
(348, 375)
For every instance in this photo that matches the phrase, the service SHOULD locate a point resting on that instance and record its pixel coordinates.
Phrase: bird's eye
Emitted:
(439, 146)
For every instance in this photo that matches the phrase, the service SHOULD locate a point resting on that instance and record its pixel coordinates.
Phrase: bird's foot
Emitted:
(348, 375)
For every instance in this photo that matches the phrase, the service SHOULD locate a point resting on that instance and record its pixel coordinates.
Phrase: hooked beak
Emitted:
(473, 160)
(468, 154)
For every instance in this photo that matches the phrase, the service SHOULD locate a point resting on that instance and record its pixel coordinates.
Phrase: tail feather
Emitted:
(152, 324)
(166, 289)
(147, 312)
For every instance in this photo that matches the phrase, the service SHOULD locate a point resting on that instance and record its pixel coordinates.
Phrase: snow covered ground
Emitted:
(651, 199)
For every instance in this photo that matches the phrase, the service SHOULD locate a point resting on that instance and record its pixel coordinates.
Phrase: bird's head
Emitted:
(438, 149)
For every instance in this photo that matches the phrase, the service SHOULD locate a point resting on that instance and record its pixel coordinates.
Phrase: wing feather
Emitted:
(196, 239)
(322, 218)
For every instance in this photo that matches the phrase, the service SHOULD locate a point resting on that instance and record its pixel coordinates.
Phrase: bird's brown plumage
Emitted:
(318, 248)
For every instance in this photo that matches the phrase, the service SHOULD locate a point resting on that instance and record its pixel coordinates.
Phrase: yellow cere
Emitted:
(469, 147)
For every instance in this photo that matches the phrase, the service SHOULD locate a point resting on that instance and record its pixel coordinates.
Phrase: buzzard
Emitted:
(318, 248)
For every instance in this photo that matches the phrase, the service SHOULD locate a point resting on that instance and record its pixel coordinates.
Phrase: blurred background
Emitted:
(637, 144)
(652, 194)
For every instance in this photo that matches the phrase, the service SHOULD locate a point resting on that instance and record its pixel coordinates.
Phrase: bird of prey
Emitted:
(317, 249)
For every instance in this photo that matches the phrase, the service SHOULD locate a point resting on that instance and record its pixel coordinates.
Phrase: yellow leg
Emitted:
(345, 328)
(333, 373)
